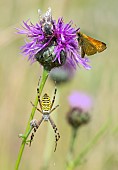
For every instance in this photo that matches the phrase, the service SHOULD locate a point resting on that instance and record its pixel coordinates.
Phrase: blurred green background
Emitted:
(18, 82)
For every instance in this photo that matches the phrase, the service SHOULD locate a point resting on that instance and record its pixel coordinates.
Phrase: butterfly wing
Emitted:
(89, 46)
(100, 46)
(86, 46)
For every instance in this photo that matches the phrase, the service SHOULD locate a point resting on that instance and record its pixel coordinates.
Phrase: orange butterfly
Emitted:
(89, 46)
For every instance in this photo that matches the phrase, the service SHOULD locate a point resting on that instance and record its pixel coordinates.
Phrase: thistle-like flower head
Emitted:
(81, 104)
(52, 43)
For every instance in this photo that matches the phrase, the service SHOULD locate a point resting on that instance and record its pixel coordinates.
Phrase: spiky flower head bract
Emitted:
(52, 43)
(76, 117)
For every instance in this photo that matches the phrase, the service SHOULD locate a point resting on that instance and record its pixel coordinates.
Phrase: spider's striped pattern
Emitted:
(46, 107)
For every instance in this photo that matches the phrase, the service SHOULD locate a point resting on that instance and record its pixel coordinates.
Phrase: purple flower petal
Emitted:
(64, 36)
(80, 100)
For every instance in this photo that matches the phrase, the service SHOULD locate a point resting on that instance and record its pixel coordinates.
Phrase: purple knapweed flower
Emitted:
(81, 104)
(80, 100)
(51, 41)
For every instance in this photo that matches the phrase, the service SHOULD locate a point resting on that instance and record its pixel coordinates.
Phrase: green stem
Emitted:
(72, 146)
(73, 140)
(28, 128)
(73, 164)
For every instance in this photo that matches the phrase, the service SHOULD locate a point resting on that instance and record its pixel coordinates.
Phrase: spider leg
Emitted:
(53, 97)
(57, 135)
(36, 107)
(39, 93)
(34, 124)
(54, 108)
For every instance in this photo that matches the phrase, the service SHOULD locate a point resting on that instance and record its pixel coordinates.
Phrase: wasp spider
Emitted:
(46, 108)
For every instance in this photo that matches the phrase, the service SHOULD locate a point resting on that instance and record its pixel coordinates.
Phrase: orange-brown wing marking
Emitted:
(100, 46)
(87, 46)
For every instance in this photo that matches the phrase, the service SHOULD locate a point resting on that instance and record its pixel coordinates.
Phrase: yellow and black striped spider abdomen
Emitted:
(46, 103)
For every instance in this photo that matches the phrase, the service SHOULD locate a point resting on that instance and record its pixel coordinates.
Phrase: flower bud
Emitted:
(76, 117)
(62, 74)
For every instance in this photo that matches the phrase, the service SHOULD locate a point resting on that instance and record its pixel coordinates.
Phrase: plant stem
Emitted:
(28, 128)
(71, 148)
(73, 140)
(73, 164)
